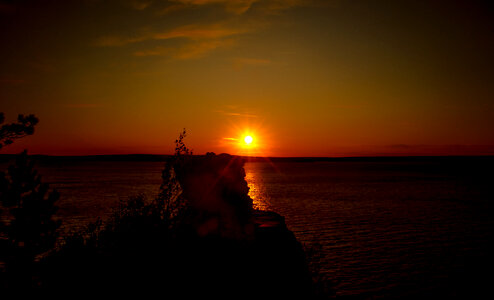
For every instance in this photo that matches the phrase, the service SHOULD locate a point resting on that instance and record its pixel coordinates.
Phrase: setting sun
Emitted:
(248, 140)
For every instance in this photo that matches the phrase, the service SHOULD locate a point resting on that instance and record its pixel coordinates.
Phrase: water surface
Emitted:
(386, 228)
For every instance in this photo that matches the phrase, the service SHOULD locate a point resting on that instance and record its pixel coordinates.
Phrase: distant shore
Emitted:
(158, 158)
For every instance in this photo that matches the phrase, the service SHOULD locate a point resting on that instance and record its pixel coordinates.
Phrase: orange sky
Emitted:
(304, 78)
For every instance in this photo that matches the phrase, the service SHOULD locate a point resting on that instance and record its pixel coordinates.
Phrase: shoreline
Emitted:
(162, 158)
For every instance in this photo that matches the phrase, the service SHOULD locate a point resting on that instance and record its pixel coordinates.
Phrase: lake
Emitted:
(386, 228)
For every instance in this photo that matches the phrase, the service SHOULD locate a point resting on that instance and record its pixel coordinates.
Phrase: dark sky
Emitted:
(304, 78)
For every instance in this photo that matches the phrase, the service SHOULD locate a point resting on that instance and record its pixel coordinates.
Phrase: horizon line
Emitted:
(397, 156)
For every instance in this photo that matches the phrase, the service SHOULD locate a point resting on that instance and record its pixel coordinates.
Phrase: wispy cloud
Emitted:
(233, 6)
(200, 49)
(200, 38)
(275, 6)
(236, 114)
(239, 6)
(140, 4)
(196, 40)
(157, 51)
(195, 31)
(191, 32)
(190, 50)
(116, 41)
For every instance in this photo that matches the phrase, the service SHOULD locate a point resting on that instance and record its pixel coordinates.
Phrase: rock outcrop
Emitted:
(218, 248)
(242, 250)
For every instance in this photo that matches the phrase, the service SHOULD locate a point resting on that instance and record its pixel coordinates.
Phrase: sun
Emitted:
(248, 140)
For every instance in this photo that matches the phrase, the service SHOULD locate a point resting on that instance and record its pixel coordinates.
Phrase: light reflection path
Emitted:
(256, 187)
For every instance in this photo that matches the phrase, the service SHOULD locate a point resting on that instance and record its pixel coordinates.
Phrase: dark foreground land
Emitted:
(200, 237)
(271, 265)
(420, 231)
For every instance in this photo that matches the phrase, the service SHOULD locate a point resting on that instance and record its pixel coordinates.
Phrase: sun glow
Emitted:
(248, 140)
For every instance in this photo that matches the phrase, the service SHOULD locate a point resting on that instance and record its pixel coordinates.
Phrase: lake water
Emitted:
(387, 229)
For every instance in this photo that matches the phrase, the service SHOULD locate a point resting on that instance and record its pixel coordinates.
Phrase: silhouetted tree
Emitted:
(198, 237)
(180, 148)
(170, 200)
(23, 127)
(27, 229)
(30, 229)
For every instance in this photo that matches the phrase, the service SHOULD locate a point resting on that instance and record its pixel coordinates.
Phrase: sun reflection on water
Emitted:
(260, 200)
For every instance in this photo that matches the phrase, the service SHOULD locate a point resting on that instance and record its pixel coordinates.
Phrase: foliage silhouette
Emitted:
(30, 230)
(197, 238)
(23, 127)
(170, 201)
(27, 230)
(140, 236)
(180, 147)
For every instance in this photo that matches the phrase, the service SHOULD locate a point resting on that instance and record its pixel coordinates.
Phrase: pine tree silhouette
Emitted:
(30, 229)
(23, 127)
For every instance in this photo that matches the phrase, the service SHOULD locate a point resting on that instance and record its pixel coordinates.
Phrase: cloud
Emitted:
(191, 50)
(172, 8)
(241, 6)
(116, 41)
(279, 5)
(233, 6)
(200, 49)
(199, 39)
(140, 4)
(236, 114)
(191, 32)
(157, 51)
(195, 31)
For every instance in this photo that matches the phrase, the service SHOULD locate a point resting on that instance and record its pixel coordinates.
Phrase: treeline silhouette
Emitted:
(198, 237)
(27, 228)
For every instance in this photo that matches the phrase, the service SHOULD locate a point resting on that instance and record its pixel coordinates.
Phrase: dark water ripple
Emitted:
(388, 229)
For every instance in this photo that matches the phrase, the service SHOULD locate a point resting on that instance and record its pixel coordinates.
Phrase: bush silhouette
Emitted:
(198, 238)
(30, 229)
(27, 228)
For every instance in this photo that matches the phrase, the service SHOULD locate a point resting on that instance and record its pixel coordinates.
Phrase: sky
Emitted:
(303, 78)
